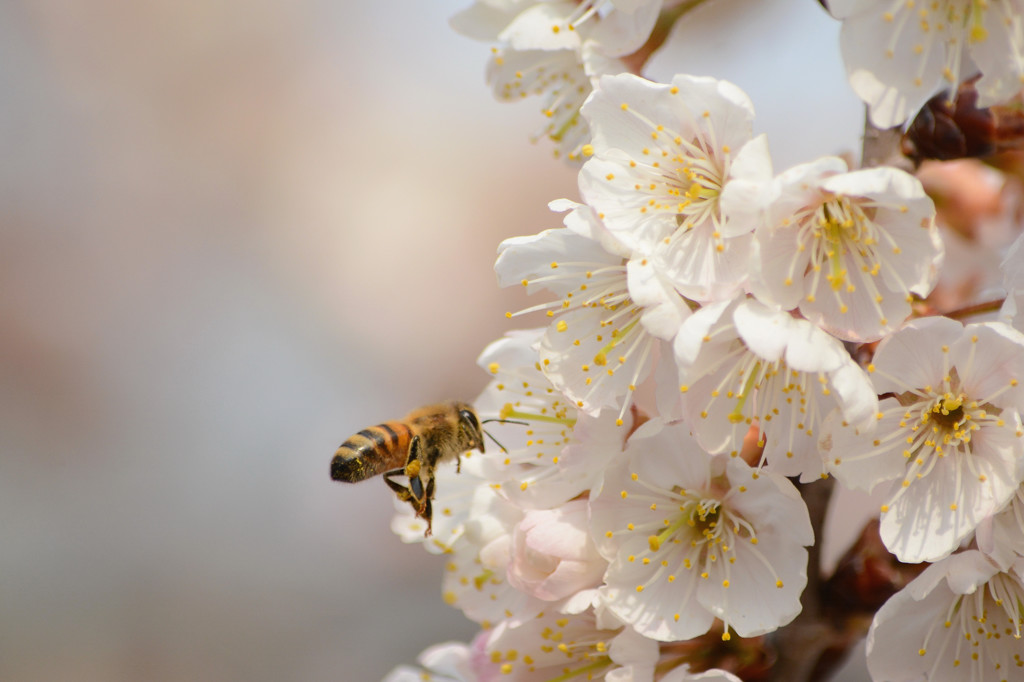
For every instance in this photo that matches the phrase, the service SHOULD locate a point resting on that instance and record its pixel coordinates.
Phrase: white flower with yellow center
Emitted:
(531, 470)
(674, 174)
(555, 50)
(561, 79)
(692, 537)
(556, 647)
(960, 620)
(850, 249)
(601, 342)
(948, 442)
(740, 361)
(899, 54)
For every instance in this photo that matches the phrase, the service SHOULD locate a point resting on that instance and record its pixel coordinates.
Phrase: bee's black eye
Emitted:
(470, 418)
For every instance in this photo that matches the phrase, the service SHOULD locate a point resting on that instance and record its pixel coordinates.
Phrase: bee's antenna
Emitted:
(504, 421)
(496, 442)
(500, 421)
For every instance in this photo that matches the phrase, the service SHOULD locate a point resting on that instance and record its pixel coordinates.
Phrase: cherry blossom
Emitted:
(948, 445)
(582, 646)
(849, 249)
(532, 470)
(740, 361)
(553, 557)
(555, 50)
(674, 174)
(900, 54)
(600, 344)
(692, 537)
(959, 620)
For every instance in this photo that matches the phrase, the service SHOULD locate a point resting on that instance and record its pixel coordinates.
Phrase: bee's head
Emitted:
(471, 423)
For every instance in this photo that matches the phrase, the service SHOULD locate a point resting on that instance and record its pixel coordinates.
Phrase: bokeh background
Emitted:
(231, 234)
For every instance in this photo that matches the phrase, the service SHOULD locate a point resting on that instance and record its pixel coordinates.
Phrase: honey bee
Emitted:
(411, 447)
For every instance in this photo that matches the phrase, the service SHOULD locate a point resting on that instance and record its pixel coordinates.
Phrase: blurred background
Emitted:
(232, 234)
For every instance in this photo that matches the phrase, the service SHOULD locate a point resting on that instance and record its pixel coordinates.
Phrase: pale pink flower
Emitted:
(553, 557)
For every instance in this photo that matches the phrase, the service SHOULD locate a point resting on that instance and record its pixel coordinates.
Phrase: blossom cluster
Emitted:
(720, 336)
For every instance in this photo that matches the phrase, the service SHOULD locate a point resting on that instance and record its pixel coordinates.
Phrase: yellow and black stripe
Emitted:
(372, 451)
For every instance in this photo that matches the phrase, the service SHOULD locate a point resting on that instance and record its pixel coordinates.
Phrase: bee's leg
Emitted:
(427, 514)
(458, 464)
(412, 469)
(402, 491)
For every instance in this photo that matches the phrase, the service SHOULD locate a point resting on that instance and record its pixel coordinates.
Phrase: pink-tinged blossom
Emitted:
(553, 557)
(674, 174)
(947, 446)
(740, 361)
(601, 343)
(900, 54)
(692, 538)
(849, 249)
(557, 647)
(448, 662)
(476, 566)
(959, 620)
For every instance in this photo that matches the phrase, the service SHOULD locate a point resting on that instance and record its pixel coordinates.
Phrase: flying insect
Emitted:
(411, 447)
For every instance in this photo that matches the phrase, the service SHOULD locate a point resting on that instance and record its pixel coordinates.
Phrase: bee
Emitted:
(411, 447)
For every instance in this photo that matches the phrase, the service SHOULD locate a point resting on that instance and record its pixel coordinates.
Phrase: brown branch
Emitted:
(976, 309)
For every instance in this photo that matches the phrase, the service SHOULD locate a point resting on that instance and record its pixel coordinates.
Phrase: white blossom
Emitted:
(601, 343)
(948, 444)
(899, 54)
(533, 471)
(849, 249)
(674, 175)
(584, 646)
(959, 620)
(740, 361)
(693, 537)
(555, 50)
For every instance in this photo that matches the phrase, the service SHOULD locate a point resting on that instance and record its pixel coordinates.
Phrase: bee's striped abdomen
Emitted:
(372, 451)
